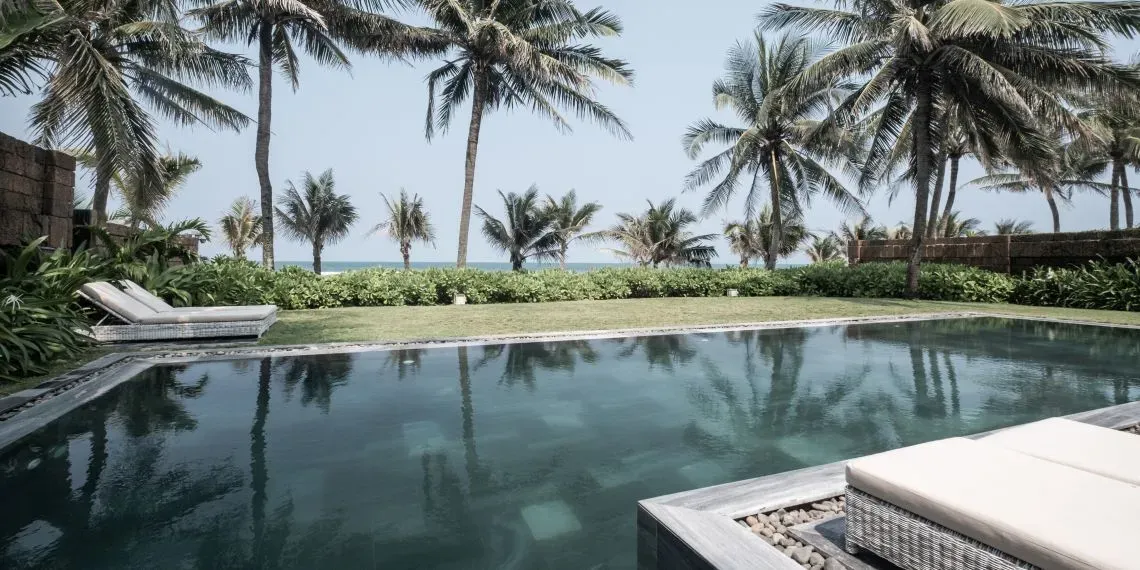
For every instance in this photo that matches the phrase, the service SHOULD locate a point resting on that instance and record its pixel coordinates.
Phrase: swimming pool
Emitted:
(524, 455)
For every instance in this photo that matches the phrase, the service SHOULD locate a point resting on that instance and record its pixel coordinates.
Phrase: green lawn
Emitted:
(407, 323)
(415, 323)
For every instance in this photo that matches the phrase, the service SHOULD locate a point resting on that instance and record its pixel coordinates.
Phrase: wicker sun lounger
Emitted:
(143, 322)
(963, 504)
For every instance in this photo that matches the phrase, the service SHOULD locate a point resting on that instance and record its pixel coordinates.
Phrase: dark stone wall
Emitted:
(1009, 254)
(36, 191)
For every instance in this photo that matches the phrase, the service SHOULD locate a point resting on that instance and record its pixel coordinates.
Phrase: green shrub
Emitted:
(1097, 285)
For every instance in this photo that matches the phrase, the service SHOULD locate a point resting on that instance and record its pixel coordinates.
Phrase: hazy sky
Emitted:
(367, 125)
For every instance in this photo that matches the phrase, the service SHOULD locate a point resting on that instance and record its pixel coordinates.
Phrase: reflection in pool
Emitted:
(507, 456)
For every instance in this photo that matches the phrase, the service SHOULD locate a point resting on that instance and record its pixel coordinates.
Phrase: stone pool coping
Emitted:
(698, 529)
(23, 412)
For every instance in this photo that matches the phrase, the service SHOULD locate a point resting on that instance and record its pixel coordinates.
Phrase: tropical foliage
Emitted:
(144, 200)
(659, 236)
(782, 140)
(518, 53)
(824, 249)
(569, 220)
(526, 231)
(1012, 226)
(241, 226)
(407, 222)
(752, 239)
(862, 230)
(315, 213)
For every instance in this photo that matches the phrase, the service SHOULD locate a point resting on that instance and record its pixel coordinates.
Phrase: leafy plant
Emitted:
(315, 213)
(526, 231)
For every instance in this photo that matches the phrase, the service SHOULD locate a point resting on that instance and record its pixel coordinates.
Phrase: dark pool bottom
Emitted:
(525, 456)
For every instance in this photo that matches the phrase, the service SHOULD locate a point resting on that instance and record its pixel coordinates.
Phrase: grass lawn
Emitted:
(408, 323)
(415, 323)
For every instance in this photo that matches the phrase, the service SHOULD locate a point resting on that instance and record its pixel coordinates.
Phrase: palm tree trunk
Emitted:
(951, 193)
(103, 174)
(1053, 208)
(936, 199)
(478, 100)
(777, 214)
(406, 251)
(259, 471)
(925, 151)
(1114, 197)
(562, 256)
(1126, 193)
(317, 257)
(261, 151)
(744, 261)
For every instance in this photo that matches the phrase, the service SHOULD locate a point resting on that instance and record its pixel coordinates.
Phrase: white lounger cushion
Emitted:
(140, 294)
(134, 311)
(1103, 451)
(1050, 515)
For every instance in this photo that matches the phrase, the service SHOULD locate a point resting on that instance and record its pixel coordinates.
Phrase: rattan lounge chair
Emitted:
(155, 320)
(964, 504)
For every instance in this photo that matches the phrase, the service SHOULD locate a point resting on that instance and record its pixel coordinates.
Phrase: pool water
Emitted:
(518, 456)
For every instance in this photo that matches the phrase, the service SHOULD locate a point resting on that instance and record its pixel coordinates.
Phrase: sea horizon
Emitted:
(333, 267)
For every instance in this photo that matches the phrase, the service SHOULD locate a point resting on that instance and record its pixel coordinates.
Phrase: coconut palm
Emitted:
(862, 230)
(569, 221)
(241, 226)
(752, 239)
(824, 249)
(959, 226)
(526, 231)
(1056, 178)
(106, 62)
(1003, 64)
(407, 221)
(26, 24)
(1013, 226)
(658, 236)
(144, 198)
(319, 28)
(901, 232)
(518, 53)
(1114, 137)
(315, 213)
(780, 141)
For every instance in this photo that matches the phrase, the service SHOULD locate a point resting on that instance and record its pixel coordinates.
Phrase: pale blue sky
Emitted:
(368, 127)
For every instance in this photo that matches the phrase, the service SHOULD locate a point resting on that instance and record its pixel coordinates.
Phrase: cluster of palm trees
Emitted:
(105, 68)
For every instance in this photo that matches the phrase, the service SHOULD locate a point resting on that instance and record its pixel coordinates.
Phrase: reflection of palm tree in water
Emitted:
(523, 360)
(405, 361)
(660, 350)
(258, 469)
(317, 375)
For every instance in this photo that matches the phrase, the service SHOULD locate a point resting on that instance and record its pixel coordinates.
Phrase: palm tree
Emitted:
(510, 53)
(902, 231)
(1115, 138)
(527, 231)
(780, 141)
(318, 27)
(824, 249)
(1056, 179)
(998, 62)
(105, 59)
(1013, 226)
(862, 230)
(957, 226)
(241, 226)
(659, 235)
(143, 197)
(316, 213)
(569, 221)
(407, 221)
(752, 239)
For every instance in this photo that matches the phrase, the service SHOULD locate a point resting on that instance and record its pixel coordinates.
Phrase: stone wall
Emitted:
(36, 191)
(1009, 254)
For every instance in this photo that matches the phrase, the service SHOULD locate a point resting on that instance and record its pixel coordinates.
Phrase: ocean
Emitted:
(342, 266)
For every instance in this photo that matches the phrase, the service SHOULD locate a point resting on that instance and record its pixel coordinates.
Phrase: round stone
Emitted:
(815, 559)
(802, 554)
(833, 564)
(752, 521)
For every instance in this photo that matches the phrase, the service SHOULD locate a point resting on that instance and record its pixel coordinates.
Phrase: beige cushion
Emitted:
(1048, 514)
(140, 294)
(1103, 451)
(211, 315)
(116, 302)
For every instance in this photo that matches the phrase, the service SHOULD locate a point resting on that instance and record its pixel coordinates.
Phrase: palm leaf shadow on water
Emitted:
(665, 351)
(317, 375)
(524, 360)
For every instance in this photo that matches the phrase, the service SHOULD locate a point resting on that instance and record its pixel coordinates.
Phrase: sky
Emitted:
(368, 126)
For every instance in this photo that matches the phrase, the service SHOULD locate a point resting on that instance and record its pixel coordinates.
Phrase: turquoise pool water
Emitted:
(519, 456)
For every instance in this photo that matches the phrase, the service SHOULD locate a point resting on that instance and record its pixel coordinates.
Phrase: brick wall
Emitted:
(1009, 254)
(36, 191)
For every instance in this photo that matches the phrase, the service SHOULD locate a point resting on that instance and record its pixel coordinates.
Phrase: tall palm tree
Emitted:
(1056, 179)
(1114, 136)
(569, 221)
(959, 226)
(659, 235)
(316, 213)
(901, 232)
(997, 61)
(1013, 226)
(144, 198)
(526, 231)
(280, 29)
(241, 226)
(518, 53)
(824, 249)
(407, 221)
(781, 140)
(105, 60)
(862, 230)
(752, 239)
